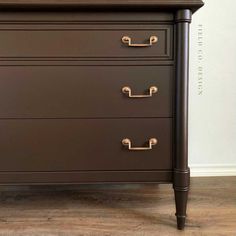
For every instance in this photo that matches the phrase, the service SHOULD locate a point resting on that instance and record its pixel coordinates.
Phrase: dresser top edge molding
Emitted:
(193, 5)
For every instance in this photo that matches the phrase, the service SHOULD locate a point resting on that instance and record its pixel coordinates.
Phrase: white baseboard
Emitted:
(212, 170)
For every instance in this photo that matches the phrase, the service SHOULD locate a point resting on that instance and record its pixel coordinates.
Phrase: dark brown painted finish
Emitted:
(85, 17)
(62, 113)
(84, 91)
(181, 169)
(74, 41)
(87, 144)
(102, 4)
(81, 177)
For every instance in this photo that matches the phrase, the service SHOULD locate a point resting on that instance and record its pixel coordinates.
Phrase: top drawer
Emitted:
(22, 41)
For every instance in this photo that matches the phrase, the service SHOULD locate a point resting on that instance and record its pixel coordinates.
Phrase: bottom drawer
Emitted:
(86, 144)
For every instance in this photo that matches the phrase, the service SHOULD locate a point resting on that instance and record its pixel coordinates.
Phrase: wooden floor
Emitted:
(118, 210)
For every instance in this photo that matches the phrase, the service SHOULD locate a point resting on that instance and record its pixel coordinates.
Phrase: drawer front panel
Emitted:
(71, 41)
(87, 144)
(84, 91)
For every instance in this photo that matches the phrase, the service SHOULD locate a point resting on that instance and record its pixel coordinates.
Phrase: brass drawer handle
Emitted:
(127, 90)
(127, 40)
(152, 141)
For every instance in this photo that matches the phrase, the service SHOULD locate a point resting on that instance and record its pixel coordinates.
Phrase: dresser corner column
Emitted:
(181, 172)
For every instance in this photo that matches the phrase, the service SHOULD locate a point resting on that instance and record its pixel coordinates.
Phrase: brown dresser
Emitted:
(95, 91)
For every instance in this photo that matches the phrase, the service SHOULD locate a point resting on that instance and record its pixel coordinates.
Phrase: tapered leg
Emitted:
(181, 189)
(181, 198)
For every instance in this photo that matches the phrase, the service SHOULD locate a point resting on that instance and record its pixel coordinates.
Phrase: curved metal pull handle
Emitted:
(127, 142)
(127, 40)
(127, 90)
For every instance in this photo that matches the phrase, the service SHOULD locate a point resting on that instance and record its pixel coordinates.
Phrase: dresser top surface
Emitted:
(119, 4)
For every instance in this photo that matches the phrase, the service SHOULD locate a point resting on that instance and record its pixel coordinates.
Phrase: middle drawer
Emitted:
(86, 91)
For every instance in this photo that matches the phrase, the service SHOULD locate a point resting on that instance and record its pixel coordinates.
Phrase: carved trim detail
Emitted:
(181, 180)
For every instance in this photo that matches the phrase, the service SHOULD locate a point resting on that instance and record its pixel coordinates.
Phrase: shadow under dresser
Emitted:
(95, 91)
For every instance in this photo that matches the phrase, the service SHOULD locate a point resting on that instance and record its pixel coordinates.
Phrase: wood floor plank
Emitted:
(137, 210)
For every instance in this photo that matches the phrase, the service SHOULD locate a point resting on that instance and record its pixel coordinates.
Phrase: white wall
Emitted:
(212, 118)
